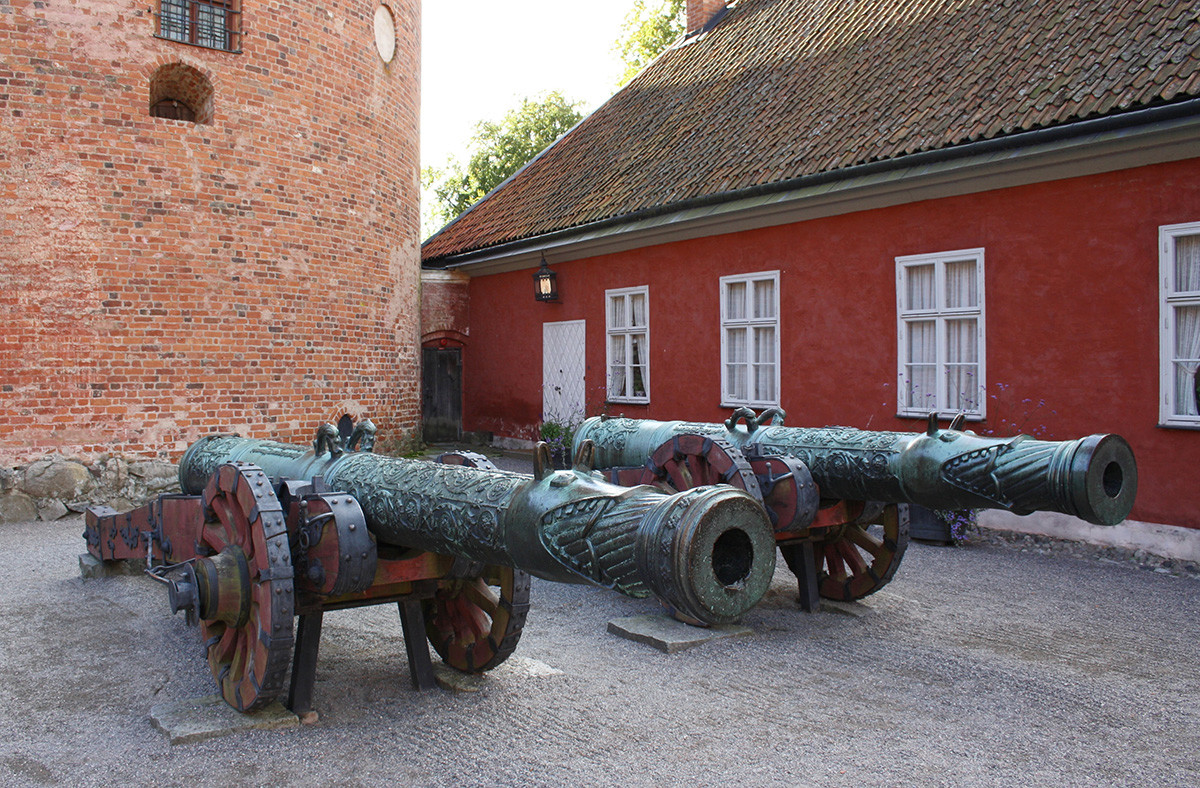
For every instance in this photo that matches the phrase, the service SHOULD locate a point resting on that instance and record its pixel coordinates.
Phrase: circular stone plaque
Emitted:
(385, 33)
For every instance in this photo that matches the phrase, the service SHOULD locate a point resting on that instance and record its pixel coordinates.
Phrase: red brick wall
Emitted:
(1071, 274)
(161, 279)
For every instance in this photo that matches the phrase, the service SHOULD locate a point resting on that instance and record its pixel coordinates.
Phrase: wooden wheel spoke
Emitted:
(852, 557)
(833, 563)
(709, 473)
(214, 535)
(866, 540)
(483, 597)
(223, 649)
(681, 477)
(471, 625)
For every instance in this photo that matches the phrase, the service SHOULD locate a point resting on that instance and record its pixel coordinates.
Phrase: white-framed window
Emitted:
(1179, 324)
(940, 333)
(628, 324)
(750, 339)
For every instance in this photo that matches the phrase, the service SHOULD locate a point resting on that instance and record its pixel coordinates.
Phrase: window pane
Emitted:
(764, 345)
(735, 381)
(173, 20)
(616, 381)
(210, 26)
(922, 342)
(735, 368)
(962, 286)
(962, 387)
(1187, 358)
(735, 345)
(617, 349)
(764, 299)
(638, 381)
(616, 312)
(1187, 263)
(1187, 332)
(920, 386)
(1187, 390)
(962, 341)
(920, 287)
(637, 308)
(735, 301)
(764, 382)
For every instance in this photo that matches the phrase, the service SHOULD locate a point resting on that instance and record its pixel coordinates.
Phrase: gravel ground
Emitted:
(992, 664)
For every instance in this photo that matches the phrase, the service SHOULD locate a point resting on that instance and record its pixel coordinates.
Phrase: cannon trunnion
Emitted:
(266, 531)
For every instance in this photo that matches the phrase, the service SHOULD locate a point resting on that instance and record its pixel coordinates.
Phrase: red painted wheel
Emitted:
(244, 587)
(688, 461)
(474, 624)
(857, 560)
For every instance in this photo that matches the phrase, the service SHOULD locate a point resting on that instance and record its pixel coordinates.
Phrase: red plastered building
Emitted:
(862, 213)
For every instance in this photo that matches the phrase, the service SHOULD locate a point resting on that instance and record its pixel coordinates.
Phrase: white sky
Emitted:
(480, 58)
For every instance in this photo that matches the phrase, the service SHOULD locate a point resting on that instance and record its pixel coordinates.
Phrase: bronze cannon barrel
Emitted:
(709, 552)
(1093, 478)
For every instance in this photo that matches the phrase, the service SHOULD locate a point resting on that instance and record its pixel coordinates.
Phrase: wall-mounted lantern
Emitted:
(545, 283)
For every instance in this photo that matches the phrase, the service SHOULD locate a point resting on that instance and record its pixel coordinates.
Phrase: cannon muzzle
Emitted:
(708, 553)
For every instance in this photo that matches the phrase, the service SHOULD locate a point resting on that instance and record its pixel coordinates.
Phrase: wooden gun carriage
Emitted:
(264, 532)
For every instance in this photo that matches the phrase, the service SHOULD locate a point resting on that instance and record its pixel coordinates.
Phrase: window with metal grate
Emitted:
(215, 24)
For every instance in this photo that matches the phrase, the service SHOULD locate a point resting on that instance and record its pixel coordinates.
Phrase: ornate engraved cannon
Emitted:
(264, 531)
(835, 494)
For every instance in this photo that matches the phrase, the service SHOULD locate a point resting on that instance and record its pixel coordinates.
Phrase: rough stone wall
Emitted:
(162, 279)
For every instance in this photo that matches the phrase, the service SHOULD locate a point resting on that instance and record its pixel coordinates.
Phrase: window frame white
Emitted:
(749, 323)
(1169, 300)
(627, 331)
(940, 314)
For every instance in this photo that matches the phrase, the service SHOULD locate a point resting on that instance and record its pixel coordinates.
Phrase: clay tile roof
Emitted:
(782, 89)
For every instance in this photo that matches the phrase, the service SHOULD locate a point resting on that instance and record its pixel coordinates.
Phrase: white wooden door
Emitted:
(563, 371)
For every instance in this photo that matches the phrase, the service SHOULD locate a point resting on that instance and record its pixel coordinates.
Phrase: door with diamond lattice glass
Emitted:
(563, 371)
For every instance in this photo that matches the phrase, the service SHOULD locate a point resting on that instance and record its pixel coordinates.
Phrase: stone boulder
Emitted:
(16, 507)
(50, 509)
(58, 478)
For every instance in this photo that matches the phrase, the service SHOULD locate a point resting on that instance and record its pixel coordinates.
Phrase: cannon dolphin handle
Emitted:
(708, 552)
(1093, 478)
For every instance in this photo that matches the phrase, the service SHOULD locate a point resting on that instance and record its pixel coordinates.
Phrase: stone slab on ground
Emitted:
(852, 609)
(1169, 541)
(456, 681)
(666, 634)
(210, 717)
(91, 567)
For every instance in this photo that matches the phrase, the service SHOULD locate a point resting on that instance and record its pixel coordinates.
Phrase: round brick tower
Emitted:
(208, 221)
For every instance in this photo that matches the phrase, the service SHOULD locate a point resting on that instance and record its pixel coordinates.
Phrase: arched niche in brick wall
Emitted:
(180, 92)
(443, 339)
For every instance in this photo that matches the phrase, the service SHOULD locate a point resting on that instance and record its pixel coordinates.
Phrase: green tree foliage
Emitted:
(650, 27)
(497, 150)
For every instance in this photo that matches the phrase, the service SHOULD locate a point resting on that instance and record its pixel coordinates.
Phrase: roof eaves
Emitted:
(1188, 108)
(510, 178)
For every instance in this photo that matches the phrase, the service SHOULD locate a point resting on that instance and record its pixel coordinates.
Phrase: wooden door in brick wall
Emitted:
(441, 394)
(563, 371)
